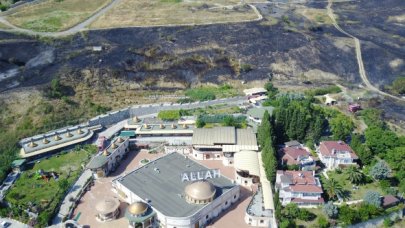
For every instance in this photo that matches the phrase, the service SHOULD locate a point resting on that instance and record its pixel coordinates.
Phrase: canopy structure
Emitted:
(247, 161)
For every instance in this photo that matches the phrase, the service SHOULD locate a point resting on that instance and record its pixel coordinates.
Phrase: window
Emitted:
(234, 196)
(226, 203)
(206, 217)
(261, 221)
(195, 155)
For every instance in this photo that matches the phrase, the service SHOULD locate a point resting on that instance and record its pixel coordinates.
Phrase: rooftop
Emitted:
(333, 148)
(224, 135)
(256, 206)
(162, 177)
(254, 90)
(101, 159)
(299, 181)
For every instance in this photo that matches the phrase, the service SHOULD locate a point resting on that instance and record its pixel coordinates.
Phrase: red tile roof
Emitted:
(389, 200)
(291, 154)
(306, 188)
(301, 181)
(327, 148)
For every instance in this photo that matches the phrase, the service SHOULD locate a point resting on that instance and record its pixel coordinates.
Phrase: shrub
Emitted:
(323, 222)
(387, 222)
(380, 170)
(330, 210)
(323, 91)
(306, 215)
(372, 198)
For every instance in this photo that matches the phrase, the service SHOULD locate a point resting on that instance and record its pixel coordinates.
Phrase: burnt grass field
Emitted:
(215, 53)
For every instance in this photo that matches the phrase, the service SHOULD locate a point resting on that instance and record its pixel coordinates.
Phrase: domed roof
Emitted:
(107, 205)
(200, 190)
(120, 140)
(137, 208)
(114, 146)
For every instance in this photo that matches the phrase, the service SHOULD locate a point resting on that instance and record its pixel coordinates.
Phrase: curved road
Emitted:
(359, 57)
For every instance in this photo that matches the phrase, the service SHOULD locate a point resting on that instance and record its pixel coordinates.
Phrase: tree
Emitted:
(372, 198)
(380, 140)
(341, 126)
(63, 185)
(398, 86)
(269, 162)
(333, 188)
(287, 223)
(200, 123)
(364, 153)
(323, 222)
(354, 174)
(380, 170)
(271, 90)
(348, 215)
(330, 210)
(291, 211)
(264, 131)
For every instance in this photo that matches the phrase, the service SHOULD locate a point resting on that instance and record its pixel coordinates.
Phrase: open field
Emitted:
(161, 12)
(347, 186)
(30, 191)
(3, 26)
(315, 15)
(52, 16)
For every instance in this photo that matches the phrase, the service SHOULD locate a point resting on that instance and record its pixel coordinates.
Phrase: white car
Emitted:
(5, 224)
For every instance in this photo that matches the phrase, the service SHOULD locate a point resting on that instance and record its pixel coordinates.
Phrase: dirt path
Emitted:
(77, 28)
(359, 57)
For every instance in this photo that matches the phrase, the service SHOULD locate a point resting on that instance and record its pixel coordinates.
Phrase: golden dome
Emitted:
(146, 126)
(120, 140)
(107, 205)
(45, 141)
(79, 131)
(68, 134)
(135, 119)
(138, 208)
(162, 126)
(105, 153)
(173, 126)
(57, 138)
(200, 190)
(185, 126)
(114, 146)
(32, 144)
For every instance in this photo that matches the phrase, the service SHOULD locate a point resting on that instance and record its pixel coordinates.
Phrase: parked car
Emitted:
(5, 224)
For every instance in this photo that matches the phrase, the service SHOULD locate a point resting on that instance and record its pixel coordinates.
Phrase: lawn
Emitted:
(45, 195)
(205, 93)
(160, 12)
(52, 15)
(313, 223)
(348, 186)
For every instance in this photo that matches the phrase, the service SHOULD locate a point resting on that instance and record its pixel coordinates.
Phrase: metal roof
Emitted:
(224, 135)
(164, 187)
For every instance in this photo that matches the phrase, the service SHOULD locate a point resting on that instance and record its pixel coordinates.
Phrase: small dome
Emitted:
(137, 208)
(173, 126)
(105, 153)
(120, 140)
(68, 134)
(32, 144)
(107, 205)
(146, 126)
(79, 131)
(135, 119)
(45, 141)
(162, 126)
(200, 190)
(185, 126)
(114, 146)
(57, 138)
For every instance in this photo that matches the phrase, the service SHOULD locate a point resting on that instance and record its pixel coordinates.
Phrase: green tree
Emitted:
(354, 174)
(348, 215)
(291, 211)
(271, 90)
(373, 198)
(341, 126)
(63, 184)
(398, 86)
(380, 140)
(380, 170)
(333, 188)
(265, 131)
(323, 222)
(364, 153)
(200, 123)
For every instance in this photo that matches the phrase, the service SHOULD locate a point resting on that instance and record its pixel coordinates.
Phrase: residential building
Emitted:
(255, 91)
(296, 154)
(300, 187)
(256, 114)
(335, 154)
(221, 143)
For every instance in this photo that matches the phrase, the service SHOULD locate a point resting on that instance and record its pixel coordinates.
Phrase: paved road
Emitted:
(359, 57)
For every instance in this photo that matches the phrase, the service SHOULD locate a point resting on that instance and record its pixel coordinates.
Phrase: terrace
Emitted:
(256, 206)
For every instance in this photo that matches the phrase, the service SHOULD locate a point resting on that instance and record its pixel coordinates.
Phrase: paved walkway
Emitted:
(14, 223)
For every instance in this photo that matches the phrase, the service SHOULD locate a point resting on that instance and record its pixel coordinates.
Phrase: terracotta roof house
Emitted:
(300, 187)
(336, 153)
(297, 155)
(389, 201)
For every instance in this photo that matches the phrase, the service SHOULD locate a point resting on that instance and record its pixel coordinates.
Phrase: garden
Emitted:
(43, 185)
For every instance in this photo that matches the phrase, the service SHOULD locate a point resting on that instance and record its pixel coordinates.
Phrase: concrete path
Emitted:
(14, 223)
(359, 57)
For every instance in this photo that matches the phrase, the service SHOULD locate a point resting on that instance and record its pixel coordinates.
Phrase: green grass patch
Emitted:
(171, 1)
(169, 115)
(31, 191)
(323, 91)
(352, 194)
(206, 93)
